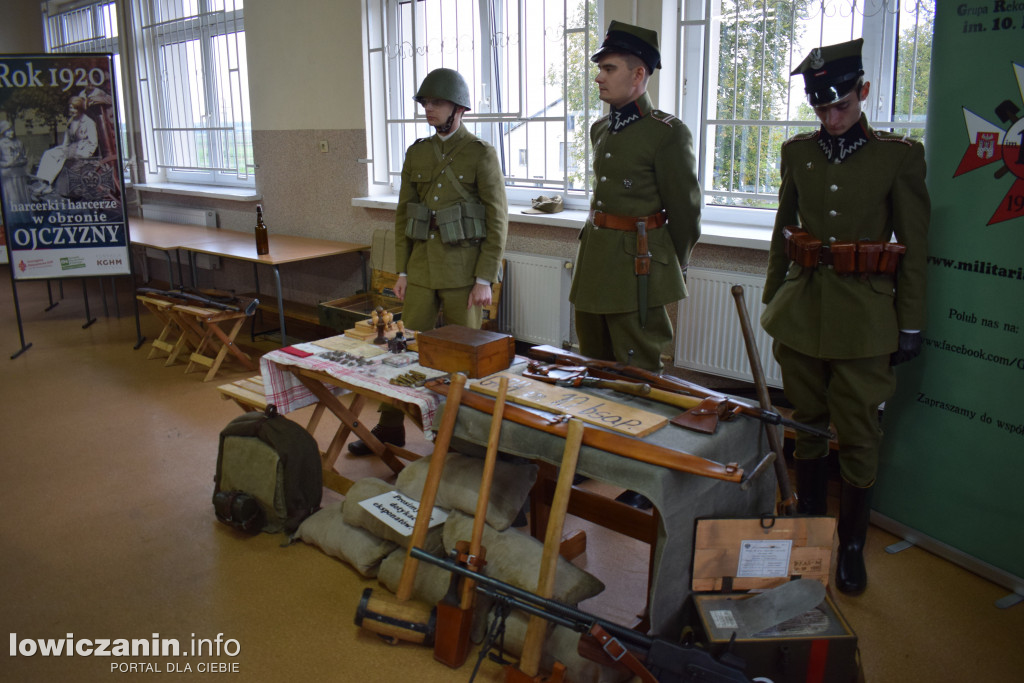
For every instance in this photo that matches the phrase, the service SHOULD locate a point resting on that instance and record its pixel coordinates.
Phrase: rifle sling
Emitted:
(619, 653)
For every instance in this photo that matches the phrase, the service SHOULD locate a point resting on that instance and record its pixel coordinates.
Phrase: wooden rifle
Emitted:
(653, 660)
(704, 417)
(604, 440)
(181, 296)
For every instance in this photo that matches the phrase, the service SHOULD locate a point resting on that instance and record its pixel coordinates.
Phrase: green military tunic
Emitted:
(645, 167)
(430, 263)
(834, 333)
(875, 192)
(643, 164)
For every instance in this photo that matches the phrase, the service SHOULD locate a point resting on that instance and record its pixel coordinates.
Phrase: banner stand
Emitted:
(17, 313)
(63, 204)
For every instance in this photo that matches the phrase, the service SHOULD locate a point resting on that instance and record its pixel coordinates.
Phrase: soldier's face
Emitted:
(437, 110)
(618, 85)
(841, 115)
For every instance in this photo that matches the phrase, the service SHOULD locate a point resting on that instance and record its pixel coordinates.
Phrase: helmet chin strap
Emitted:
(443, 129)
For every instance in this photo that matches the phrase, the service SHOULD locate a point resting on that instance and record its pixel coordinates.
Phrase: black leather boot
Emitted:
(854, 511)
(811, 485)
(392, 435)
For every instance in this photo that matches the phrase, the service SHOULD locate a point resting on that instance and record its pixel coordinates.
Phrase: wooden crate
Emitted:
(343, 314)
(454, 348)
(816, 646)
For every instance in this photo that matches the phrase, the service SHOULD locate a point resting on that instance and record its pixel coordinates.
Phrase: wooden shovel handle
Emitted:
(529, 662)
(490, 460)
(441, 443)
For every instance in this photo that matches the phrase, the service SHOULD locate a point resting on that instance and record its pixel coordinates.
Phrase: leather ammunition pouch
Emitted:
(845, 258)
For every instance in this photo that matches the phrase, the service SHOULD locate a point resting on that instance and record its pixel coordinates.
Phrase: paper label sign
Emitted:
(764, 558)
(399, 512)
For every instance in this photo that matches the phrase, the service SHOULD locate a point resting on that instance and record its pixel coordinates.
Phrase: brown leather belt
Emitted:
(627, 223)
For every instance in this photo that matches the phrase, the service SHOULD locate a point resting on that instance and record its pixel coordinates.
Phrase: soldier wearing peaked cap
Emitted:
(450, 225)
(844, 302)
(645, 216)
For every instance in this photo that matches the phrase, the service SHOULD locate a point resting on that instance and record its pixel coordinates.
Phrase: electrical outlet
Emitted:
(323, 146)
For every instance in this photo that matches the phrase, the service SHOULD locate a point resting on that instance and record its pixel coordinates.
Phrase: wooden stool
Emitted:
(206, 323)
(174, 337)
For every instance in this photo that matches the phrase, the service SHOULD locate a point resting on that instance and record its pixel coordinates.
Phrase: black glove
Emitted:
(910, 348)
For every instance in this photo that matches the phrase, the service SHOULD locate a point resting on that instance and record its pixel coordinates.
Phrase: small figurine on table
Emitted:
(381, 320)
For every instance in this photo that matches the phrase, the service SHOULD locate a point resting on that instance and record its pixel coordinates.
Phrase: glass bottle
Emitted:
(262, 240)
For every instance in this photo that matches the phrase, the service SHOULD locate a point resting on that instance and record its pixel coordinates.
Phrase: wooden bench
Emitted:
(175, 337)
(215, 342)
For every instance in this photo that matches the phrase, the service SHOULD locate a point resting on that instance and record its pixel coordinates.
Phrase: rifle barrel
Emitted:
(575, 619)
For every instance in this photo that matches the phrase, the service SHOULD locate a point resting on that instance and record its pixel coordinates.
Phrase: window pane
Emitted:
(528, 71)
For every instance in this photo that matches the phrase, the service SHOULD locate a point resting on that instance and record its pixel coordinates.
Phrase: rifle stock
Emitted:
(604, 440)
(724, 406)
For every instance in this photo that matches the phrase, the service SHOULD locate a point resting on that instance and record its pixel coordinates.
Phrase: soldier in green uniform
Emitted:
(450, 225)
(645, 215)
(844, 302)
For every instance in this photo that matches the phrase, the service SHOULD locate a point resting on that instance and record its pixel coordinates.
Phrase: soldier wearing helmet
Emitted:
(839, 317)
(450, 225)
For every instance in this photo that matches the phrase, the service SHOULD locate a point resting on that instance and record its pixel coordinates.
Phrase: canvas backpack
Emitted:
(269, 458)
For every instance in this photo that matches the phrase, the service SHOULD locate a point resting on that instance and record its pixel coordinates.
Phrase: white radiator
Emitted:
(180, 214)
(709, 337)
(186, 216)
(535, 298)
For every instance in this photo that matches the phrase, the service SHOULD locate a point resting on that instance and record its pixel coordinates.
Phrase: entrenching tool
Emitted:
(398, 618)
(529, 661)
(455, 616)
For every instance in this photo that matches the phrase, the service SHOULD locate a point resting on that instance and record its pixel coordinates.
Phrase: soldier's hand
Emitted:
(910, 348)
(479, 296)
(400, 284)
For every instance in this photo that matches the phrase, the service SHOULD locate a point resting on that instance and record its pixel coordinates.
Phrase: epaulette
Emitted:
(802, 137)
(886, 136)
(663, 117)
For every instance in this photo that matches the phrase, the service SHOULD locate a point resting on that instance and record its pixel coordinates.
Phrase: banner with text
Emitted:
(60, 163)
(953, 455)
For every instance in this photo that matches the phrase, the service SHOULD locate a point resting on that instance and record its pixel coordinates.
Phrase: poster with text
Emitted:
(62, 185)
(953, 455)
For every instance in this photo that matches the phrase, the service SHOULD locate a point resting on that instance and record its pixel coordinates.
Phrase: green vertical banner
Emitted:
(952, 466)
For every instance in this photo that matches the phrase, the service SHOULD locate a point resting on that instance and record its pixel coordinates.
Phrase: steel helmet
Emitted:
(445, 84)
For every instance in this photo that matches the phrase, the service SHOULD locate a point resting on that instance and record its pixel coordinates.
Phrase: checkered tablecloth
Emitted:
(284, 389)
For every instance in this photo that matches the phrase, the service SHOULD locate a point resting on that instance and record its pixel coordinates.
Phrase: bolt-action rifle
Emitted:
(182, 296)
(653, 660)
(702, 417)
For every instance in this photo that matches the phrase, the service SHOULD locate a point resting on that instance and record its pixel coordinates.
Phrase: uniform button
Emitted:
(600, 203)
(607, 155)
(435, 197)
(834, 188)
(439, 184)
(833, 213)
(432, 235)
(461, 177)
(419, 175)
(604, 178)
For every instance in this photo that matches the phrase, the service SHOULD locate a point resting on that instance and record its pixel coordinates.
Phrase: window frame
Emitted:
(699, 64)
(204, 27)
